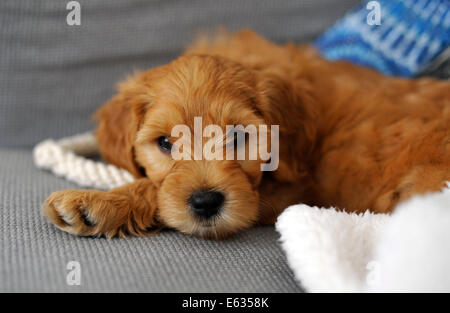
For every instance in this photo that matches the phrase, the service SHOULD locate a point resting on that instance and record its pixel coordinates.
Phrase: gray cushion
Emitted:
(34, 253)
(53, 76)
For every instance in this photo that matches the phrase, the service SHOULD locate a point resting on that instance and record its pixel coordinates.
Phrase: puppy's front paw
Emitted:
(83, 212)
(69, 211)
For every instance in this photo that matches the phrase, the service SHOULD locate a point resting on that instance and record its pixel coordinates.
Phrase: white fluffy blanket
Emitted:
(333, 251)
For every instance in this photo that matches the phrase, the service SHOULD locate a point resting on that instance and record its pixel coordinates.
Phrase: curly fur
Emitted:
(349, 138)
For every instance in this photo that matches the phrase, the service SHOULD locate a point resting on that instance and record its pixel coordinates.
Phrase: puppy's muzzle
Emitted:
(206, 204)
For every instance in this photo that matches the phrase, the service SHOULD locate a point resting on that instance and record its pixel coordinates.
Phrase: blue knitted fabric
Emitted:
(411, 34)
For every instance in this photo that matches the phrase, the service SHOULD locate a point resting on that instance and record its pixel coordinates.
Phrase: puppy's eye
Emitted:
(239, 138)
(164, 144)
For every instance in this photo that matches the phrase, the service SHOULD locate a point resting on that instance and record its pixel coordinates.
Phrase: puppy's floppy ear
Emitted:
(118, 123)
(289, 104)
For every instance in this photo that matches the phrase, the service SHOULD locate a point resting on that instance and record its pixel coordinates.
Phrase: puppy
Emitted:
(349, 137)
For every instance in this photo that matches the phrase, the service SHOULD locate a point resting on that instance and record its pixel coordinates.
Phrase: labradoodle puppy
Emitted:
(349, 137)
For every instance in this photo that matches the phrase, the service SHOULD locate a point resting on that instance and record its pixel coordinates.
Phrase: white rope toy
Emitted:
(68, 158)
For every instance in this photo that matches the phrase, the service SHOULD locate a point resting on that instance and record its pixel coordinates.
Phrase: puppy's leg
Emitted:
(420, 180)
(276, 196)
(129, 209)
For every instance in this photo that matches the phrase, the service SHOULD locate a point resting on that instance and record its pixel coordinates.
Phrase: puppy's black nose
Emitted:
(206, 203)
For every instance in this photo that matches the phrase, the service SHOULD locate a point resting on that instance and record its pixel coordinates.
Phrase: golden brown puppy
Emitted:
(349, 137)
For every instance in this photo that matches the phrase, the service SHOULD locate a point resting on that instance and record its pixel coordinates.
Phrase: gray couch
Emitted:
(53, 76)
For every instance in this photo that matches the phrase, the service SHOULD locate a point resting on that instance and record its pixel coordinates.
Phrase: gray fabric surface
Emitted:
(53, 76)
(34, 253)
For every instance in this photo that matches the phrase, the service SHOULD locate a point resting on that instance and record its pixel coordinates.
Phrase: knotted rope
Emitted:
(68, 158)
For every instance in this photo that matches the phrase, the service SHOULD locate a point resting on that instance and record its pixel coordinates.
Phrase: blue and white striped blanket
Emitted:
(395, 37)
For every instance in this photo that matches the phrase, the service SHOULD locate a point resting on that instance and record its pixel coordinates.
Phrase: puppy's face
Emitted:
(207, 198)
